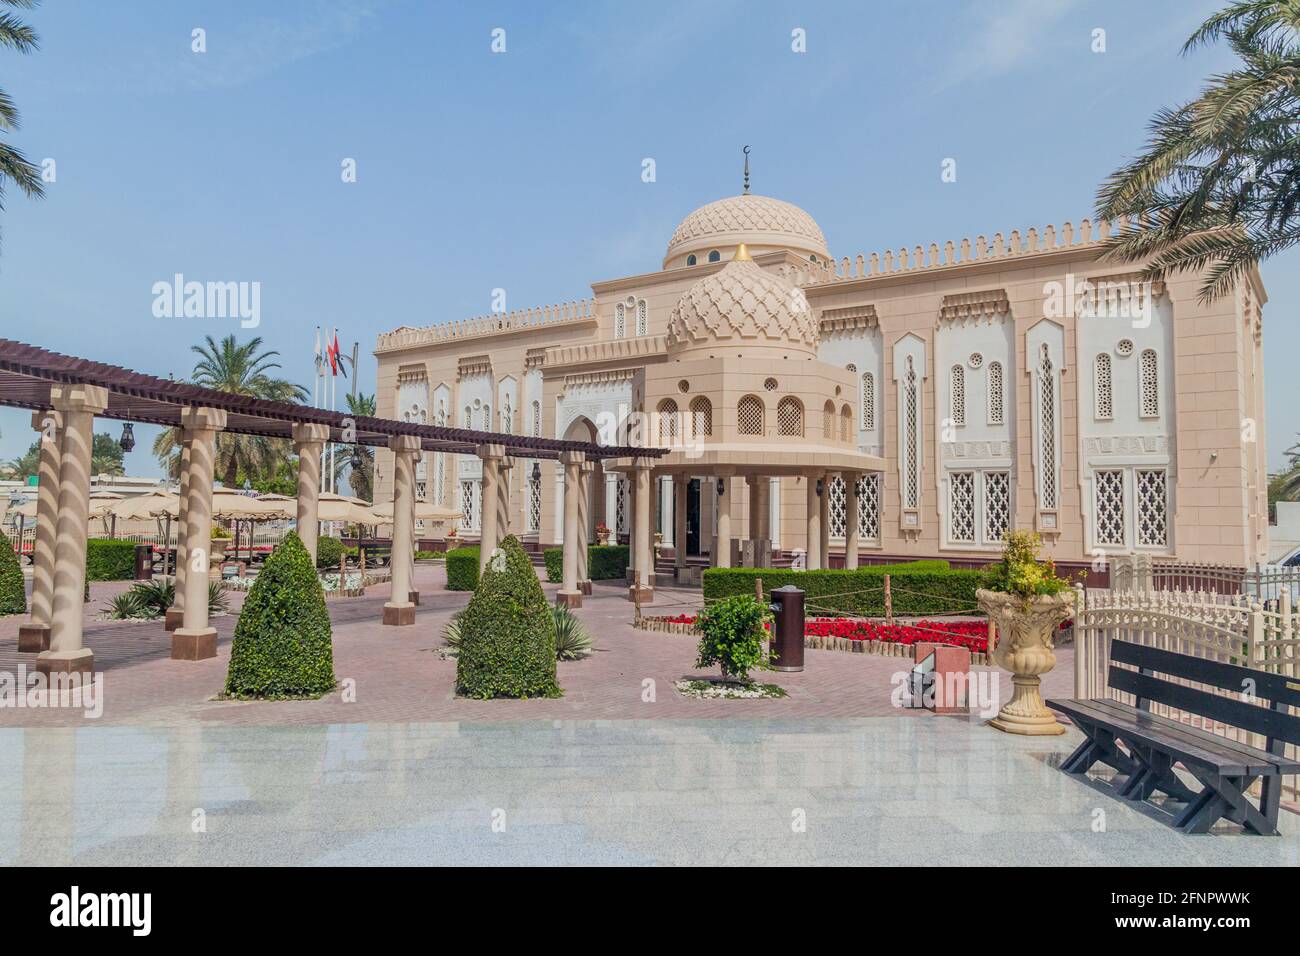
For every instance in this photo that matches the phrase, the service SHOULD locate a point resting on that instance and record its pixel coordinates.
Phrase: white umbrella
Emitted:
(152, 504)
(424, 511)
(100, 502)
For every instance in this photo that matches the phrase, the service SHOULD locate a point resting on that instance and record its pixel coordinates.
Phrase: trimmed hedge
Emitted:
(605, 562)
(110, 559)
(283, 645)
(919, 587)
(462, 568)
(329, 551)
(13, 599)
(507, 633)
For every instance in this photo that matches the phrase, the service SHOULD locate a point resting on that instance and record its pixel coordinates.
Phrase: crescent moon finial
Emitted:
(746, 152)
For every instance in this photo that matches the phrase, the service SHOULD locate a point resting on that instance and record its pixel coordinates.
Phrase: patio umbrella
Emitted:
(424, 511)
(152, 504)
(232, 505)
(100, 502)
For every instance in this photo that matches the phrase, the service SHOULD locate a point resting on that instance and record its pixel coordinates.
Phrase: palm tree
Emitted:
(358, 461)
(14, 166)
(244, 370)
(1218, 186)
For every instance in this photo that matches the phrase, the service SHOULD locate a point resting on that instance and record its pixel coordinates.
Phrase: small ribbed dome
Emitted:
(756, 220)
(742, 310)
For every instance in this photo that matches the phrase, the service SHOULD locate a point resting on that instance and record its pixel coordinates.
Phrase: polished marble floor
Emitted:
(875, 790)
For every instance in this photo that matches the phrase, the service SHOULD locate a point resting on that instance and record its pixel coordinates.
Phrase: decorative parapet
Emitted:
(472, 365)
(848, 319)
(577, 312)
(606, 350)
(918, 258)
(973, 306)
(411, 373)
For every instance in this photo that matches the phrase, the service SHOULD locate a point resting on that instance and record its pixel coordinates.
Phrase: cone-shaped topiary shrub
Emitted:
(13, 599)
(283, 645)
(507, 637)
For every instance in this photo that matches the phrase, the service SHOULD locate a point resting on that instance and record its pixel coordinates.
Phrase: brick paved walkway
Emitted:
(395, 675)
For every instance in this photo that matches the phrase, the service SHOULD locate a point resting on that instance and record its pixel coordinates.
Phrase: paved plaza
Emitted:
(409, 774)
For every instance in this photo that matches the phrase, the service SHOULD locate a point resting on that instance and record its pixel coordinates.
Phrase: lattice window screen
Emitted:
(846, 424)
(1152, 508)
(507, 417)
(835, 507)
(868, 400)
(997, 505)
(487, 418)
(1047, 428)
(961, 505)
(828, 421)
(958, 403)
(534, 502)
(702, 416)
(667, 422)
(911, 441)
(1150, 384)
(789, 417)
(869, 507)
(440, 467)
(1109, 507)
(749, 415)
(537, 419)
(620, 320)
(997, 398)
(620, 507)
(642, 318)
(1103, 388)
(470, 497)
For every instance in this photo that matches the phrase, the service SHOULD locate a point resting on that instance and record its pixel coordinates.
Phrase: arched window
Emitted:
(667, 422)
(537, 419)
(1149, 384)
(691, 260)
(487, 418)
(468, 419)
(1104, 403)
(620, 320)
(715, 256)
(846, 424)
(789, 417)
(507, 417)
(828, 421)
(749, 416)
(701, 416)
(911, 439)
(997, 403)
(1047, 427)
(868, 400)
(440, 463)
(642, 318)
(957, 398)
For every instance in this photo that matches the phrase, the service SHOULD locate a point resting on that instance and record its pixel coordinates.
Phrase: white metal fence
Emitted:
(1144, 572)
(1231, 629)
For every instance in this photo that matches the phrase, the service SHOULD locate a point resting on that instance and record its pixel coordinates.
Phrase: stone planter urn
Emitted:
(217, 550)
(1026, 630)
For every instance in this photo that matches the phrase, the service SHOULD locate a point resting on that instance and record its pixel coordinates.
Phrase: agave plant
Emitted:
(156, 596)
(128, 606)
(451, 631)
(218, 600)
(572, 642)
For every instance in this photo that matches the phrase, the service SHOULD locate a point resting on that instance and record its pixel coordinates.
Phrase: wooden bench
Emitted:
(1152, 744)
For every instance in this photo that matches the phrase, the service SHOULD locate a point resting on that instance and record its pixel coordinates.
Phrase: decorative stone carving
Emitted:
(1126, 445)
(757, 219)
(1026, 631)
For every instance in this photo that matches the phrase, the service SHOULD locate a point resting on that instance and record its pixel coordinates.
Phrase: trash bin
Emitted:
(787, 628)
(143, 562)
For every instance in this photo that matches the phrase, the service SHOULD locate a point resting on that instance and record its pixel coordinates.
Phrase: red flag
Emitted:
(338, 356)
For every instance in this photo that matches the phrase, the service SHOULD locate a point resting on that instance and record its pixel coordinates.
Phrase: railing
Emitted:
(1230, 629)
(1144, 572)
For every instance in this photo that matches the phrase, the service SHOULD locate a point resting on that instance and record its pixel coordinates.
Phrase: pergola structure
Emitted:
(66, 394)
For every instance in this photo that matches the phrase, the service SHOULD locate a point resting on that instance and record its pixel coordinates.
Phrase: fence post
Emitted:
(1287, 631)
(758, 589)
(1080, 646)
(889, 602)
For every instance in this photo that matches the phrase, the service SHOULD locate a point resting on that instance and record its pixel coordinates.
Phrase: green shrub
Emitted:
(110, 559)
(605, 562)
(129, 606)
(507, 637)
(918, 588)
(572, 642)
(462, 568)
(156, 596)
(13, 599)
(283, 645)
(329, 551)
(732, 636)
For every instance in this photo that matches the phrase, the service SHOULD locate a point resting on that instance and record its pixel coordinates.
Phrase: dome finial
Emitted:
(742, 253)
(746, 152)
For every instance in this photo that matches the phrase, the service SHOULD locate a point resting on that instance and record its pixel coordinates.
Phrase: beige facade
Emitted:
(1013, 382)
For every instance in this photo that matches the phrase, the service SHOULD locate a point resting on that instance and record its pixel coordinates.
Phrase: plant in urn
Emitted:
(1027, 602)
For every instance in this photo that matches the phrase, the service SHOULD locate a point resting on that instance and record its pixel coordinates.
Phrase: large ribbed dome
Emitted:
(742, 310)
(756, 220)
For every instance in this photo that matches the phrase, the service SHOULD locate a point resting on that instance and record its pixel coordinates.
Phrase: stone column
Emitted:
(851, 479)
(413, 595)
(503, 497)
(765, 508)
(722, 543)
(584, 525)
(570, 593)
(813, 524)
(176, 613)
(642, 592)
(308, 441)
(400, 610)
(34, 636)
(667, 509)
(195, 639)
(824, 521)
(489, 536)
(751, 504)
(680, 484)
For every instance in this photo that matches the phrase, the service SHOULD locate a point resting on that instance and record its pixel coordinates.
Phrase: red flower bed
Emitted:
(972, 635)
(679, 619)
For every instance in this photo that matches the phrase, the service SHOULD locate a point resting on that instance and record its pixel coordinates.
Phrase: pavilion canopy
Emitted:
(27, 372)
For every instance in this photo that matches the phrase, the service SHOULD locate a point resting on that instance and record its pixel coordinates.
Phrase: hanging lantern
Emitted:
(127, 441)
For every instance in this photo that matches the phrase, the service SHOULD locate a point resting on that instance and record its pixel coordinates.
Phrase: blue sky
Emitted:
(522, 170)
